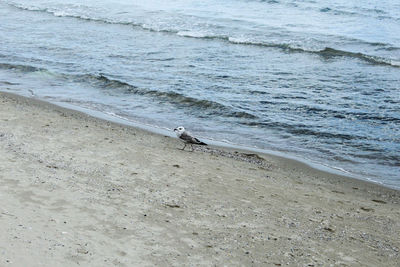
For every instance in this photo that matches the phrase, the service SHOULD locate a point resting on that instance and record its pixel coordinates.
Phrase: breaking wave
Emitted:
(201, 34)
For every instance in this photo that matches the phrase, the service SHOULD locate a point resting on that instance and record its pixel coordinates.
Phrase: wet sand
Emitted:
(77, 190)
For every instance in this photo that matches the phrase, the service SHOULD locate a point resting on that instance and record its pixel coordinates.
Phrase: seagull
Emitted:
(186, 137)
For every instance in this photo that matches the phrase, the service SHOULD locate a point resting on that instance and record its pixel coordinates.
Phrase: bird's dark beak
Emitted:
(176, 129)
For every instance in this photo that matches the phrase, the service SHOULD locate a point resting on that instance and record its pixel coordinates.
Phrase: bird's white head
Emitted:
(179, 130)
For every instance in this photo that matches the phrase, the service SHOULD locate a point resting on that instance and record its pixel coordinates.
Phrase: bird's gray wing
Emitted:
(188, 138)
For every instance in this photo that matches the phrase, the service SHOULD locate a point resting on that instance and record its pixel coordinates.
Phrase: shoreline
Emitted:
(214, 143)
(76, 189)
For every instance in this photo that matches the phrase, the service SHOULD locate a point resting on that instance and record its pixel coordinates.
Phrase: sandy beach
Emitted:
(80, 191)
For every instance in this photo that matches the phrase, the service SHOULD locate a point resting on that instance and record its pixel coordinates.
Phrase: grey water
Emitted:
(317, 80)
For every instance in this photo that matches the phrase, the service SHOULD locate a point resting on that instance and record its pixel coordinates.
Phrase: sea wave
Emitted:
(73, 13)
(175, 98)
(22, 68)
(333, 8)
(299, 129)
(363, 12)
(325, 52)
(325, 112)
(201, 34)
(208, 107)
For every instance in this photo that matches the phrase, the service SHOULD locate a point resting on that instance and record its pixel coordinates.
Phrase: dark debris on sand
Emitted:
(246, 157)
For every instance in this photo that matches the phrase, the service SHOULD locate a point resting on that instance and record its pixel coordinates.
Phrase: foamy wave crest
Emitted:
(193, 34)
(25, 7)
(331, 52)
(75, 11)
(53, 10)
(202, 35)
(326, 52)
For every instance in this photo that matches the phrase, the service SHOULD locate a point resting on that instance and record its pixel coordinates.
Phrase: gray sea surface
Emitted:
(316, 80)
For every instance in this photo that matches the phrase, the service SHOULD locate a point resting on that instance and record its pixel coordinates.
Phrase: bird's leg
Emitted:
(183, 147)
(192, 147)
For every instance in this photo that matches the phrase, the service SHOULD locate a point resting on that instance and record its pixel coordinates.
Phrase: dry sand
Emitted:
(76, 190)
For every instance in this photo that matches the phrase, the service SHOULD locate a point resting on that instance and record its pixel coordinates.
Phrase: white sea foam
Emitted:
(193, 34)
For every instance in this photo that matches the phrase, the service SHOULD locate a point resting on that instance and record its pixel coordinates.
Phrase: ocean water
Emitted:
(316, 80)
